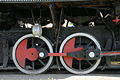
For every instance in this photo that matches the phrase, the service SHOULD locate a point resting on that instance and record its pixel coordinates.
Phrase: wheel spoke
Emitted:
(89, 43)
(33, 43)
(42, 44)
(80, 65)
(33, 65)
(41, 62)
(89, 63)
(80, 41)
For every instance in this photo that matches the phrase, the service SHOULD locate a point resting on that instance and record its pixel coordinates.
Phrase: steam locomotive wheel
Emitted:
(73, 43)
(26, 54)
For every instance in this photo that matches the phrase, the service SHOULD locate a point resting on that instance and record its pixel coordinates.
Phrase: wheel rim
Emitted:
(26, 55)
(69, 62)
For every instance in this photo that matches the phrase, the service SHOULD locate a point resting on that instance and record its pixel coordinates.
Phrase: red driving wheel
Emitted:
(77, 42)
(26, 54)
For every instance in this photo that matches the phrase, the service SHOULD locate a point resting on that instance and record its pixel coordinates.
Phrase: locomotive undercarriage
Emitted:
(91, 42)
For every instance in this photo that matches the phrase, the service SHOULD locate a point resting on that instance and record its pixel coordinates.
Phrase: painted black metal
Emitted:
(37, 1)
(5, 49)
(8, 39)
(11, 13)
(85, 54)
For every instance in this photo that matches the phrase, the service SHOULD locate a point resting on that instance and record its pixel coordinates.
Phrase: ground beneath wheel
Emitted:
(61, 75)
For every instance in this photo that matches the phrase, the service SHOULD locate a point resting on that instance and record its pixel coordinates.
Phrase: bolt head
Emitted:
(41, 54)
(91, 54)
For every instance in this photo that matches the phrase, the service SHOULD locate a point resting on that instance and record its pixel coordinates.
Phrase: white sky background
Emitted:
(47, 26)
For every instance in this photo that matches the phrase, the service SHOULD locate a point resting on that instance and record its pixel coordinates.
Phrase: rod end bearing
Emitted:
(91, 54)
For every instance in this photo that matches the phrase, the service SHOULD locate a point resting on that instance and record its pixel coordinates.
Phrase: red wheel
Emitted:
(26, 54)
(76, 42)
